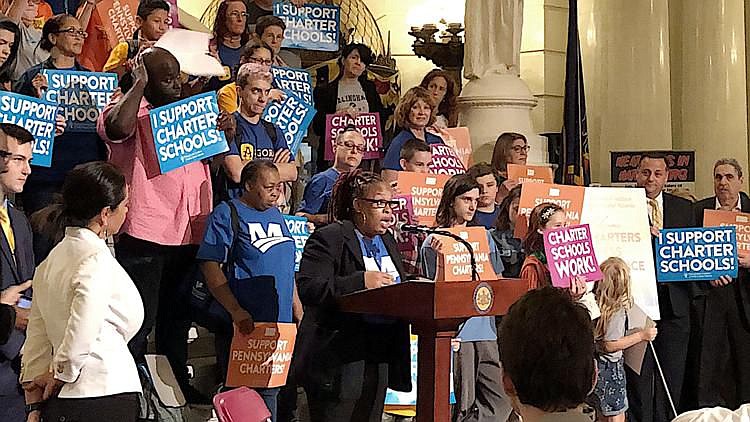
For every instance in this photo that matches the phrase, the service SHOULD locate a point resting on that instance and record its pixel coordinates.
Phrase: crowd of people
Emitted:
(111, 244)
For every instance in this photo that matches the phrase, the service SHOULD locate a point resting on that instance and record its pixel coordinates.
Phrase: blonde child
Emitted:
(614, 299)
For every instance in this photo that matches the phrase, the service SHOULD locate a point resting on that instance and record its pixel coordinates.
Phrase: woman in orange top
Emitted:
(544, 216)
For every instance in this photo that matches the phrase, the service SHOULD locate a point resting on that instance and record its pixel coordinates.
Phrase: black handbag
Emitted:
(203, 308)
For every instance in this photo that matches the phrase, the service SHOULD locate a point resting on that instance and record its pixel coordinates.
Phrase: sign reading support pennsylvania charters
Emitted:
(298, 229)
(368, 124)
(262, 358)
(696, 254)
(35, 115)
(425, 190)
(739, 220)
(293, 116)
(185, 132)
(118, 18)
(295, 80)
(310, 27)
(81, 96)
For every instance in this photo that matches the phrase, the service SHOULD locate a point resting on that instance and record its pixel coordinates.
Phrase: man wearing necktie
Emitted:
(721, 337)
(646, 394)
(16, 262)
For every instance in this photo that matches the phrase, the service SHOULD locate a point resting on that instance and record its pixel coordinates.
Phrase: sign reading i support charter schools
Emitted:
(35, 115)
(185, 132)
(310, 27)
(696, 254)
(81, 96)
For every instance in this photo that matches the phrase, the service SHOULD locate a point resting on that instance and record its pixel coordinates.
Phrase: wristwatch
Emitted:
(33, 407)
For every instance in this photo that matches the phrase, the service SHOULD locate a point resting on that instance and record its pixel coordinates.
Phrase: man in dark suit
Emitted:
(721, 339)
(646, 393)
(16, 263)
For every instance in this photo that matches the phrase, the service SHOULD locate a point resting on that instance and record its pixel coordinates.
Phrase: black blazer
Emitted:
(674, 298)
(742, 284)
(14, 271)
(329, 339)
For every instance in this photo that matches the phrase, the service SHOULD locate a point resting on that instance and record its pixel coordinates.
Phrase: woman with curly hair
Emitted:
(442, 87)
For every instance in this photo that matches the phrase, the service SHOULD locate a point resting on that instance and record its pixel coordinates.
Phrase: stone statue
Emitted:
(493, 37)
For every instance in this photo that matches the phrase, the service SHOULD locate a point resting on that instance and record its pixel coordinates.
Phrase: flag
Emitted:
(575, 146)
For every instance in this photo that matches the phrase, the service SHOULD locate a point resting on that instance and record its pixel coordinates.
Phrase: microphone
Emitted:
(416, 228)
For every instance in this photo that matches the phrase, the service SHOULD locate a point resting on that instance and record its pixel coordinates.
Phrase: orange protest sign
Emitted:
(118, 19)
(569, 198)
(262, 358)
(740, 220)
(454, 261)
(425, 190)
(531, 174)
(460, 137)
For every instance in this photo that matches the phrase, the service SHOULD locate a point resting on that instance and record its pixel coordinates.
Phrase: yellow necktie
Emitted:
(656, 217)
(5, 223)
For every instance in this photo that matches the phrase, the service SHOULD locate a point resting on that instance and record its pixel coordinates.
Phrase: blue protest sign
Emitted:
(185, 132)
(35, 115)
(696, 254)
(310, 27)
(298, 229)
(295, 80)
(81, 96)
(293, 116)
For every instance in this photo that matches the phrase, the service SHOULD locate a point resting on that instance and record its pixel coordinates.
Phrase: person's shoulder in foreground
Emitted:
(547, 353)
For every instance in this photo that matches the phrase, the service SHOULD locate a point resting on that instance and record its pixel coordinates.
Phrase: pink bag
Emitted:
(241, 405)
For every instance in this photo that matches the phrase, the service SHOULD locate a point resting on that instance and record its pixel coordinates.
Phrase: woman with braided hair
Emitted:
(346, 361)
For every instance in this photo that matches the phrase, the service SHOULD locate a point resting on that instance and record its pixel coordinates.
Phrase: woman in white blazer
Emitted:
(76, 365)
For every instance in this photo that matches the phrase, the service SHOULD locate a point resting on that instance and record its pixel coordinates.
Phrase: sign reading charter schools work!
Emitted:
(185, 132)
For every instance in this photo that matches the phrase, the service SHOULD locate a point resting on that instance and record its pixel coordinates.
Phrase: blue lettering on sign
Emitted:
(36, 115)
(185, 131)
(696, 254)
(80, 95)
(310, 27)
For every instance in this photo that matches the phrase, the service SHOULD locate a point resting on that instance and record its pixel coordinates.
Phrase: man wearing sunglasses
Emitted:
(349, 148)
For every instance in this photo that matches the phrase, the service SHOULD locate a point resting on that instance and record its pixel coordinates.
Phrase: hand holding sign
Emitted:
(40, 84)
(243, 320)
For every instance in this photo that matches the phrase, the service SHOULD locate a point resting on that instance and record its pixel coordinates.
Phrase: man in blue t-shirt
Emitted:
(349, 147)
(255, 139)
(256, 282)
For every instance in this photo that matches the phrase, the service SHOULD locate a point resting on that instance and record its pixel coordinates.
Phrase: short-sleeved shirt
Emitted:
(264, 248)
(167, 209)
(486, 219)
(615, 331)
(230, 58)
(392, 160)
(351, 95)
(253, 143)
(227, 98)
(29, 52)
(318, 192)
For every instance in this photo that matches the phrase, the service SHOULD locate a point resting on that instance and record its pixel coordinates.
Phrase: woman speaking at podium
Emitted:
(346, 361)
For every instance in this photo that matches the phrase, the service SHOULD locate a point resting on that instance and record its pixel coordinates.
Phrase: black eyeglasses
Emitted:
(352, 146)
(381, 203)
(519, 148)
(74, 32)
(256, 60)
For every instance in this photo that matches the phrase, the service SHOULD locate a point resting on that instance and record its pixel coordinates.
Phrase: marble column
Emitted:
(625, 53)
(709, 83)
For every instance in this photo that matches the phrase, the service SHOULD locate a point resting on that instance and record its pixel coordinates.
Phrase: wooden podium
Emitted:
(435, 310)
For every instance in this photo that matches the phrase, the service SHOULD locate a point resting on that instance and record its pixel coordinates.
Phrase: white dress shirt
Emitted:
(85, 310)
